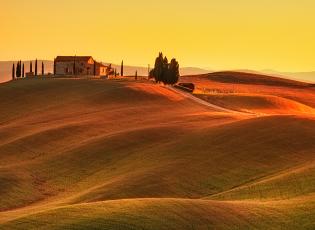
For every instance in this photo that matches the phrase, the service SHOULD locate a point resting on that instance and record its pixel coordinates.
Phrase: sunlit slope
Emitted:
(252, 78)
(157, 214)
(65, 136)
(258, 103)
(223, 87)
(87, 153)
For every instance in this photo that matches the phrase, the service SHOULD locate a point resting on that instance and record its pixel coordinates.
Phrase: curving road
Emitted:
(203, 102)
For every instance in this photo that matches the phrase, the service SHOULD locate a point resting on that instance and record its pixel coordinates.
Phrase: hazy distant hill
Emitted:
(304, 76)
(6, 67)
(299, 76)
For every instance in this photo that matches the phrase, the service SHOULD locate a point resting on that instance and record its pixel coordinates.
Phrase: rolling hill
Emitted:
(249, 86)
(99, 154)
(252, 78)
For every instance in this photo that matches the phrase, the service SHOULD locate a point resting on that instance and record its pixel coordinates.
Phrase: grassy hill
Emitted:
(252, 78)
(252, 90)
(97, 154)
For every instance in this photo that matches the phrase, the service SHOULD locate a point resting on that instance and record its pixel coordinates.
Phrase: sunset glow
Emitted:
(218, 34)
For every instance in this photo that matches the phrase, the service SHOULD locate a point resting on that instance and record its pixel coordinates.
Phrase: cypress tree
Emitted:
(173, 75)
(122, 68)
(36, 67)
(31, 66)
(18, 70)
(136, 75)
(23, 71)
(43, 69)
(158, 68)
(13, 71)
(151, 73)
(164, 77)
(54, 66)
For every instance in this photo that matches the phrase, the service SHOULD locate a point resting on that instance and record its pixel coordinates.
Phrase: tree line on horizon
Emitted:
(18, 70)
(164, 71)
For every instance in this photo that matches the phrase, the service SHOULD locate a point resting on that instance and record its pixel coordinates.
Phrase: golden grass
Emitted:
(170, 214)
(97, 154)
(261, 104)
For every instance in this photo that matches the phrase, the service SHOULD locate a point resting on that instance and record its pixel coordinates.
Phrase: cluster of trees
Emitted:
(164, 71)
(18, 71)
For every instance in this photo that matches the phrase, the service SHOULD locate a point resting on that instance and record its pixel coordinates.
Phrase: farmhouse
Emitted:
(79, 65)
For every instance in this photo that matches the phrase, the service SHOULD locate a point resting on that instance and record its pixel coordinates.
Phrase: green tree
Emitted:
(122, 68)
(164, 77)
(151, 74)
(13, 71)
(18, 70)
(23, 71)
(31, 66)
(165, 72)
(36, 67)
(54, 66)
(43, 69)
(173, 72)
(158, 68)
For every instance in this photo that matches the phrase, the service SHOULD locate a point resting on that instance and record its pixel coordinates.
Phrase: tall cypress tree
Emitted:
(23, 71)
(164, 77)
(18, 70)
(122, 68)
(43, 69)
(173, 75)
(158, 68)
(31, 67)
(54, 66)
(36, 67)
(13, 71)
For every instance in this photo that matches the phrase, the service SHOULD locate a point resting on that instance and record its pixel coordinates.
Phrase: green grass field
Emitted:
(98, 154)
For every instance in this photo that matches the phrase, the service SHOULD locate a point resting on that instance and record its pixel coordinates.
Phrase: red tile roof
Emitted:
(72, 58)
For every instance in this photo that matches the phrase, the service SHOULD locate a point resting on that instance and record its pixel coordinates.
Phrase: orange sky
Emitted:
(216, 34)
